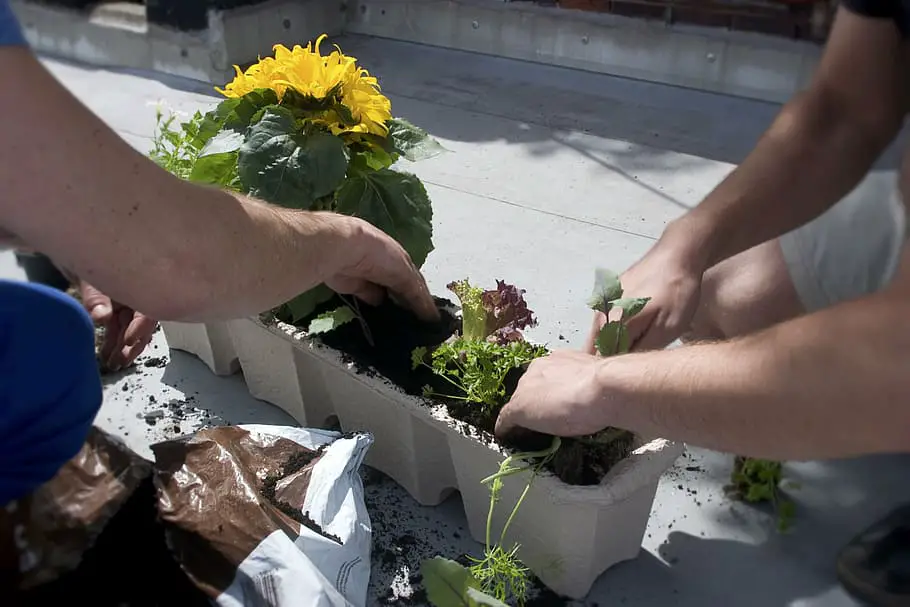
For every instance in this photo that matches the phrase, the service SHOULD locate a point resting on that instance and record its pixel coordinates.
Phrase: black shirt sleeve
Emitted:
(879, 9)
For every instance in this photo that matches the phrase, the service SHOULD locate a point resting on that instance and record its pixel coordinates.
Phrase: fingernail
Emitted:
(100, 310)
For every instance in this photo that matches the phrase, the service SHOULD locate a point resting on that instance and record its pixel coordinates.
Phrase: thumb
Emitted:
(95, 302)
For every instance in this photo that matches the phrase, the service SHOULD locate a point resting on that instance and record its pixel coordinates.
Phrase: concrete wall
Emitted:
(711, 59)
(739, 63)
(118, 34)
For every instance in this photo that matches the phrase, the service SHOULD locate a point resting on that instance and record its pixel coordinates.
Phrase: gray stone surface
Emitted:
(551, 172)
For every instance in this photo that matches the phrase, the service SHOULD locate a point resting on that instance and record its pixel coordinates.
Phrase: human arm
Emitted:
(817, 149)
(174, 250)
(830, 384)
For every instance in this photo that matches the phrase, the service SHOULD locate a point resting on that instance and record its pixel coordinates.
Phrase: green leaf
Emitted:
(305, 304)
(396, 203)
(371, 159)
(413, 142)
(283, 166)
(329, 321)
(630, 305)
(447, 583)
(607, 288)
(215, 169)
(224, 142)
(613, 339)
(418, 355)
(481, 599)
(238, 113)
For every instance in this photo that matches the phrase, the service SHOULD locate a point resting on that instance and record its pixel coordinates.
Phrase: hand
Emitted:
(126, 332)
(673, 282)
(378, 264)
(558, 395)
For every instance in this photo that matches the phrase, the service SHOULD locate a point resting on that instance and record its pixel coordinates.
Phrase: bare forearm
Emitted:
(810, 157)
(213, 256)
(173, 250)
(832, 384)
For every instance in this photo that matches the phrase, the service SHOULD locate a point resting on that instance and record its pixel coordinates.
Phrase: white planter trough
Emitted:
(210, 342)
(569, 534)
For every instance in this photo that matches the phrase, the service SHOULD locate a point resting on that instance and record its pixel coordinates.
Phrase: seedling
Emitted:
(759, 481)
(614, 338)
(499, 575)
(476, 366)
(329, 321)
(491, 345)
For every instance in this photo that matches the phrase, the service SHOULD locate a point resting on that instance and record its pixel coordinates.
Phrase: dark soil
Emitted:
(297, 462)
(129, 565)
(396, 332)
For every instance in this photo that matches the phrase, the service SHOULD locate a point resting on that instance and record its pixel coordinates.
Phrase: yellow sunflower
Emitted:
(307, 71)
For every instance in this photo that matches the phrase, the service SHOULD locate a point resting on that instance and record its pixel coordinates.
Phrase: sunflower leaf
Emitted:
(396, 203)
(413, 142)
(288, 168)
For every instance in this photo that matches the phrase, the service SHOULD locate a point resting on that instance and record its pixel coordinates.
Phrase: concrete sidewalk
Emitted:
(551, 173)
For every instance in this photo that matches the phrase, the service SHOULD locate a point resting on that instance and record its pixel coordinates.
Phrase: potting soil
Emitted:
(396, 332)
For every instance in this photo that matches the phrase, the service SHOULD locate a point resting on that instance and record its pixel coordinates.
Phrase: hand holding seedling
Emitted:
(126, 332)
(559, 395)
(672, 281)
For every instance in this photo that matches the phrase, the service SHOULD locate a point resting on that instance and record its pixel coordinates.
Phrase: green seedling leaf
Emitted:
(418, 355)
(447, 583)
(396, 203)
(305, 304)
(607, 288)
(630, 305)
(613, 339)
(478, 598)
(331, 320)
(786, 512)
(281, 165)
(413, 142)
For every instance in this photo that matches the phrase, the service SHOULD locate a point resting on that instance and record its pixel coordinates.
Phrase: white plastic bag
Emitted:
(236, 539)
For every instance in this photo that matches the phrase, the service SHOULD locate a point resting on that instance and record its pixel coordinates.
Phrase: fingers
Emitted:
(113, 340)
(96, 303)
(136, 338)
(416, 296)
(658, 334)
(388, 265)
(600, 319)
(363, 290)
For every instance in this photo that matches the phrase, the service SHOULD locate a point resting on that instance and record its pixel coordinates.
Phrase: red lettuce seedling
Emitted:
(498, 315)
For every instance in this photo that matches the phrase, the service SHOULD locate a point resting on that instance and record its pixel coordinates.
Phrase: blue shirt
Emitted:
(10, 32)
(50, 387)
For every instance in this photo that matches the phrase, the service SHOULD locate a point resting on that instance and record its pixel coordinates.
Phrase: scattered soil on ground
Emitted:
(403, 538)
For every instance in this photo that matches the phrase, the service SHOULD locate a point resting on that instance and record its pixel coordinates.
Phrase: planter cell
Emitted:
(210, 342)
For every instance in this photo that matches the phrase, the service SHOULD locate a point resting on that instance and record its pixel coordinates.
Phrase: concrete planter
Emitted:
(196, 39)
(569, 535)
